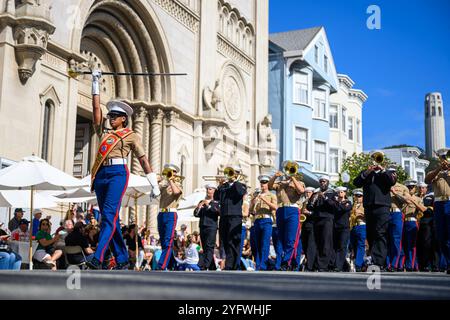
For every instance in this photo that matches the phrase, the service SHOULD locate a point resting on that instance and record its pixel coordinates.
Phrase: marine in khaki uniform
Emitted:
(289, 190)
(358, 230)
(399, 193)
(171, 192)
(413, 213)
(110, 173)
(440, 180)
(263, 206)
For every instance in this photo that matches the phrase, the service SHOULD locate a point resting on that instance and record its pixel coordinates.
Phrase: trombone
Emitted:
(291, 169)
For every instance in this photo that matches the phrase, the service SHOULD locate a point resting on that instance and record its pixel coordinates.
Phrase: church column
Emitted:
(138, 126)
(156, 121)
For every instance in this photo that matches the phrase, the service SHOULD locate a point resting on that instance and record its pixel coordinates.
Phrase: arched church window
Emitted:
(46, 129)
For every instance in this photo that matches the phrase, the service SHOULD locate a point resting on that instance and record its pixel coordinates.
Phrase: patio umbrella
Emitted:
(33, 173)
(21, 199)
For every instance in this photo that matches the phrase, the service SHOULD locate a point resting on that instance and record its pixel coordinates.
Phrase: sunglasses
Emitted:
(114, 115)
(358, 196)
(411, 187)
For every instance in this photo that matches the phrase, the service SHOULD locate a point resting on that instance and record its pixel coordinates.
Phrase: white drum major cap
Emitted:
(119, 106)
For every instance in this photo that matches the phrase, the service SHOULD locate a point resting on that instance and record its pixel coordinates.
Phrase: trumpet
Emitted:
(445, 161)
(303, 218)
(169, 173)
(378, 157)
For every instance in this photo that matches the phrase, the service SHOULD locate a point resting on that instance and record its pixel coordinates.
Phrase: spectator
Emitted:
(21, 233)
(46, 251)
(37, 217)
(67, 228)
(9, 260)
(15, 221)
(92, 233)
(181, 235)
(191, 254)
(70, 215)
(78, 238)
(247, 255)
(130, 239)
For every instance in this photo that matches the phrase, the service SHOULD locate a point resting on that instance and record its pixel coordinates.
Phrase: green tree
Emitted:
(356, 163)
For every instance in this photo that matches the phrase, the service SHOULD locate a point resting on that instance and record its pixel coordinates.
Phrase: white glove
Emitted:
(96, 75)
(151, 177)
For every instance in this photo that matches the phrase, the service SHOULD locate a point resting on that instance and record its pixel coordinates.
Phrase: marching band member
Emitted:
(358, 229)
(230, 195)
(110, 172)
(171, 192)
(422, 190)
(376, 183)
(322, 204)
(412, 215)
(341, 231)
(399, 192)
(307, 234)
(287, 214)
(208, 211)
(263, 206)
(427, 245)
(440, 179)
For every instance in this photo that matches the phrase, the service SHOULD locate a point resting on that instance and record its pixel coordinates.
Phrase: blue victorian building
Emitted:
(302, 75)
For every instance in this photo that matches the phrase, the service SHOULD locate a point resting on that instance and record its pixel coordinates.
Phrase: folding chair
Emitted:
(71, 250)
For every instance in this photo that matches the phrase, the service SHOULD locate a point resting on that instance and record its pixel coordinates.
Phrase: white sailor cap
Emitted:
(172, 166)
(309, 189)
(443, 152)
(264, 177)
(409, 183)
(358, 192)
(339, 189)
(324, 177)
(422, 185)
(210, 186)
(116, 106)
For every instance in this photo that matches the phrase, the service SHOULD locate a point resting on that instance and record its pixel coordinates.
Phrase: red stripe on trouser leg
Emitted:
(116, 216)
(297, 236)
(399, 250)
(170, 242)
(413, 263)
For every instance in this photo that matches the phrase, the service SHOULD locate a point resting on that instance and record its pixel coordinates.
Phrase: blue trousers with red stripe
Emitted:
(276, 241)
(288, 223)
(358, 243)
(263, 232)
(167, 223)
(410, 230)
(395, 232)
(110, 184)
(442, 220)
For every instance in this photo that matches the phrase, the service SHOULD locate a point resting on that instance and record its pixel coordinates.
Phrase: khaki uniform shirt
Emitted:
(286, 193)
(168, 200)
(260, 207)
(441, 184)
(411, 210)
(401, 190)
(123, 147)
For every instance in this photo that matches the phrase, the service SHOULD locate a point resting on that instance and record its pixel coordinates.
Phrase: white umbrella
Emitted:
(192, 200)
(21, 199)
(33, 173)
(78, 193)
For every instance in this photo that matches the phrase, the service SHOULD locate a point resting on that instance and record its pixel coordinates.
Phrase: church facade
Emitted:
(216, 115)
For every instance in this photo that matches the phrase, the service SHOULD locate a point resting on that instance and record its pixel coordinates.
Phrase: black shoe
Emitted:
(448, 271)
(93, 264)
(122, 266)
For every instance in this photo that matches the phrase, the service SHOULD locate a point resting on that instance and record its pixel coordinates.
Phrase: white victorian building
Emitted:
(215, 116)
(345, 124)
(408, 158)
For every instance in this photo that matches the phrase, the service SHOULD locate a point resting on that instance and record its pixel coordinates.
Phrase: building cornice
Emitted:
(182, 13)
(358, 94)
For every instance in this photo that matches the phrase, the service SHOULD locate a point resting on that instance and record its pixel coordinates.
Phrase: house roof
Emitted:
(294, 40)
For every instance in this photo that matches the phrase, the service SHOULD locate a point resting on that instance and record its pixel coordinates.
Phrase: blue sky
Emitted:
(396, 66)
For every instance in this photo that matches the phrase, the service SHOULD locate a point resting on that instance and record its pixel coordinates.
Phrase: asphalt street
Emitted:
(132, 285)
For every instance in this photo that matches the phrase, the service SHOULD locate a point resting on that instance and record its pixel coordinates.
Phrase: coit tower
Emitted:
(434, 124)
